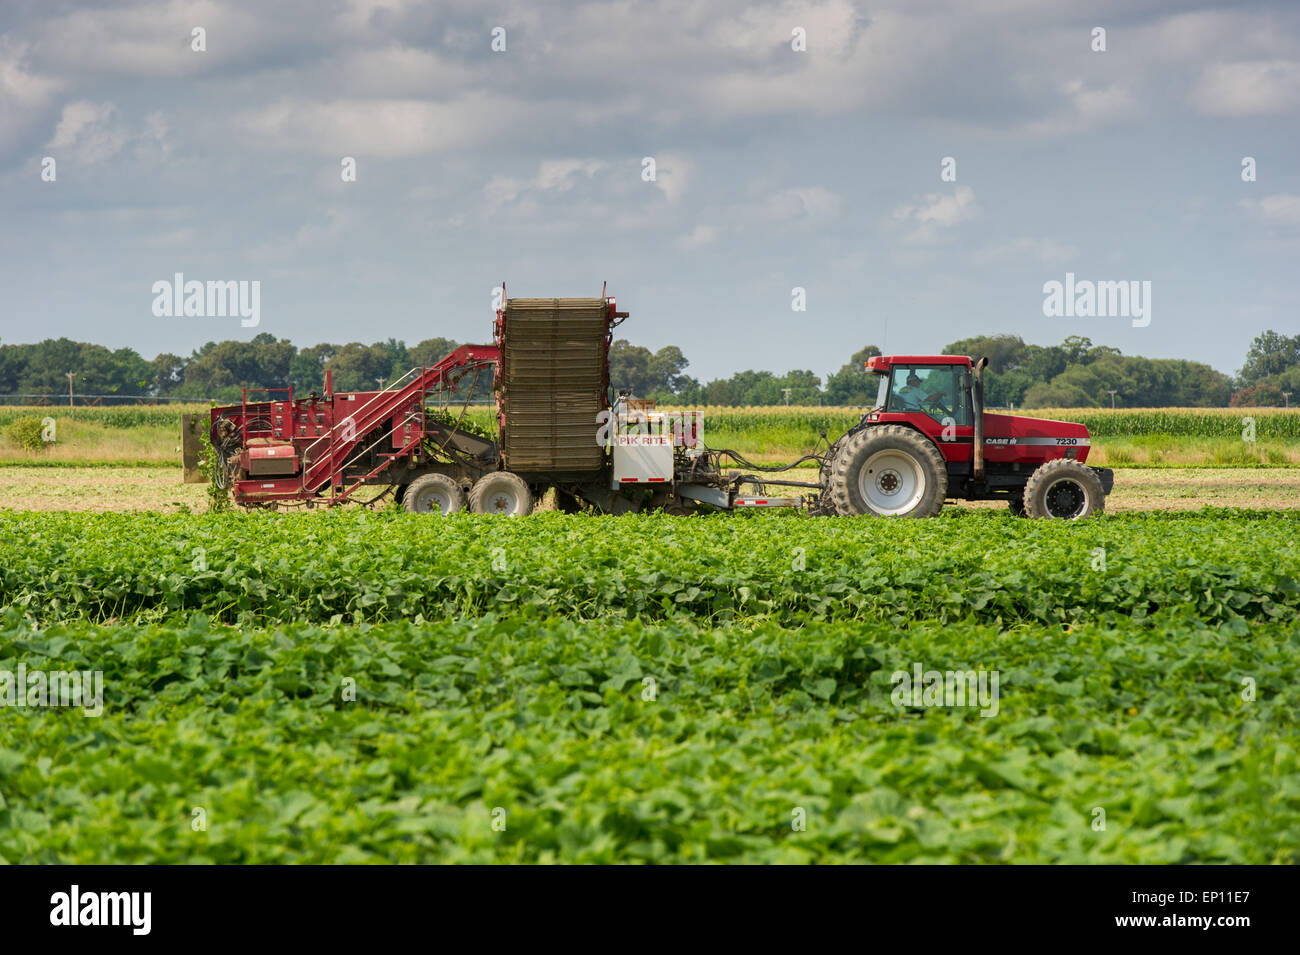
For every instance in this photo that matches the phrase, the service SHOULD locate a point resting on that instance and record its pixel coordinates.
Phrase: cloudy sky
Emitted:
(775, 168)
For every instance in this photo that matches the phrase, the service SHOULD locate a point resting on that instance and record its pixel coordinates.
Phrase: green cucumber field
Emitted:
(382, 687)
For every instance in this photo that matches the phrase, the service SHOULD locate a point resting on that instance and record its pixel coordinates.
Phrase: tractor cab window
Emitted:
(935, 390)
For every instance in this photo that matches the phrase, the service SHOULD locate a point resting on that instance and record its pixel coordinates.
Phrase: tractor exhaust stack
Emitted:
(977, 411)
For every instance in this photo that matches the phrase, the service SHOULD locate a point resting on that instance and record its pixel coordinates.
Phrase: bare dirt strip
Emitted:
(160, 489)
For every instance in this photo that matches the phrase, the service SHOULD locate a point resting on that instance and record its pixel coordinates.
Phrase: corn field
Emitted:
(1269, 423)
(1182, 422)
(797, 425)
(117, 417)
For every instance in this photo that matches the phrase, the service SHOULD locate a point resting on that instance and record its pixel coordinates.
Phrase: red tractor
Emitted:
(928, 438)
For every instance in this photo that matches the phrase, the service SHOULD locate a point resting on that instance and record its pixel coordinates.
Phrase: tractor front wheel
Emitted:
(888, 471)
(500, 492)
(1064, 489)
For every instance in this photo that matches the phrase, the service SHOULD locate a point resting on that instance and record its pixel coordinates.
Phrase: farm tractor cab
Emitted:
(558, 424)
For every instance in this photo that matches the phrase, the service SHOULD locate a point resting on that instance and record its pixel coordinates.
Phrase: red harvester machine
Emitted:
(558, 425)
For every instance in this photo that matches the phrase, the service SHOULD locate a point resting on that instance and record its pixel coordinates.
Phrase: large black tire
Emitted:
(568, 503)
(500, 492)
(825, 507)
(1064, 489)
(433, 492)
(888, 471)
(665, 502)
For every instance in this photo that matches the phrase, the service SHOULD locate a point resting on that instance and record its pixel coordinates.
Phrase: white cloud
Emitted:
(1082, 108)
(24, 95)
(1098, 105)
(560, 175)
(19, 87)
(936, 212)
(848, 63)
(800, 202)
(1251, 88)
(96, 132)
(829, 26)
(1279, 209)
(153, 142)
(383, 128)
(154, 39)
(673, 173)
(553, 175)
(92, 132)
(398, 71)
(700, 236)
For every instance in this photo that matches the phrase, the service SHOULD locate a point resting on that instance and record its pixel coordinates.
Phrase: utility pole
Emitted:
(381, 383)
(1286, 399)
(1112, 398)
(71, 375)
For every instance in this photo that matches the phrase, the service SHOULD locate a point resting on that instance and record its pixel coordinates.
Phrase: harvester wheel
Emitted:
(501, 492)
(433, 492)
(566, 502)
(665, 502)
(1064, 489)
(888, 471)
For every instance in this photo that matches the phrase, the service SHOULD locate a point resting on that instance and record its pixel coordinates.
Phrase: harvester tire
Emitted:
(1064, 489)
(888, 471)
(566, 502)
(433, 492)
(500, 492)
(665, 502)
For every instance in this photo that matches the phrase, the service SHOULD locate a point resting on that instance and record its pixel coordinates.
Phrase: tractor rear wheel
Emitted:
(500, 492)
(1064, 489)
(888, 471)
(433, 492)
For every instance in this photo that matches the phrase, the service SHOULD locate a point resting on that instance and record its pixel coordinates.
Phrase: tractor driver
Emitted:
(912, 395)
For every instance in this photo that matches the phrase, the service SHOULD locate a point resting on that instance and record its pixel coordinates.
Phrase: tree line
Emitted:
(1075, 373)
(1078, 374)
(217, 370)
